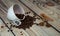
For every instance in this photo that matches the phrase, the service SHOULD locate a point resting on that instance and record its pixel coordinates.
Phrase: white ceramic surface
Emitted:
(15, 9)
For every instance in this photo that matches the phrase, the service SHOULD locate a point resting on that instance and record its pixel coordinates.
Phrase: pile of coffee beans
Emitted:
(27, 22)
(20, 16)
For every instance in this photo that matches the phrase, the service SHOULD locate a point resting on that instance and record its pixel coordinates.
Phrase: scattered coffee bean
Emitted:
(2, 26)
(14, 26)
(41, 23)
(10, 23)
(21, 34)
(26, 23)
(6, 23)
(8, 30)
(28, 12)
(48, 25)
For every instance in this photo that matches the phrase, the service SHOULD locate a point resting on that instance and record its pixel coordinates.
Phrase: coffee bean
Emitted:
(41, 24)
(2, 26)
(26, 23)
(8, 30)
(20, 16)
(48, 25)
(21, 34)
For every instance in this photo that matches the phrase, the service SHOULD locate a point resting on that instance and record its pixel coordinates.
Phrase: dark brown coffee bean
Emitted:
(21, 34)
(13, 26)
(41, 23)
(48, 25)
(28, 12)
(2, 26)
(20, 16)
(26, 23)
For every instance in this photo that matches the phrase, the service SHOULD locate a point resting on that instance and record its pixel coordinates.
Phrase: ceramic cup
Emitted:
(15, 9)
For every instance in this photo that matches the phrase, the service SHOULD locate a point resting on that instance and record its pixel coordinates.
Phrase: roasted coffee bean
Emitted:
(41, 23)
(26, 23)
(2, 26)
(8, 30)
(20, 16)
(27, 12)
(48, 25)
(21, 34)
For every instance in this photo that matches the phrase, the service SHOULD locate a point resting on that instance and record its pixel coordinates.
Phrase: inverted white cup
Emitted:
(15, 9)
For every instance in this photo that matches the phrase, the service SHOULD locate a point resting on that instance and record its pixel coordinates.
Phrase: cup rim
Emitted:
(21, 10)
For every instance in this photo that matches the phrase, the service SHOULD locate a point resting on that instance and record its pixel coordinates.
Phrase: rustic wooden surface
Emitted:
(34, 30)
